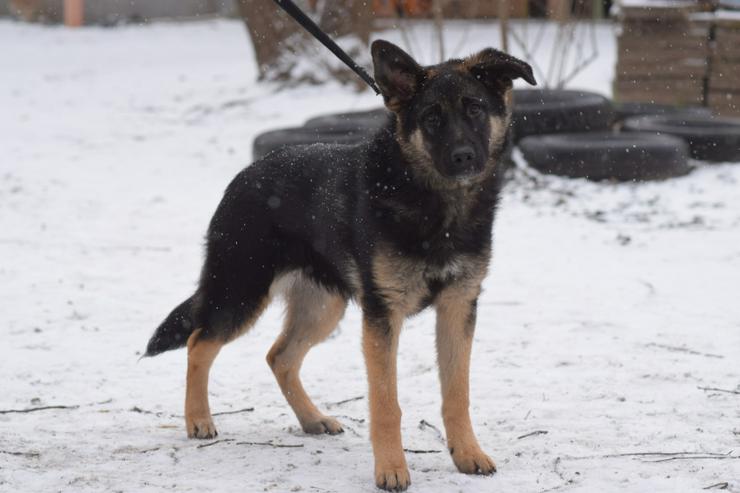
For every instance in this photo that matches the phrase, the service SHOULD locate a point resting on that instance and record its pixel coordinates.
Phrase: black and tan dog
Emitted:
(398, 224)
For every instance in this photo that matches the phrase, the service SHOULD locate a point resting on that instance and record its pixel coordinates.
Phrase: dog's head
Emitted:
(452, 117)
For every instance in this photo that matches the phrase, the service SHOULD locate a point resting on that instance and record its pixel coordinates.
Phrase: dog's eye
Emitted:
(432, 121)
(475, 110)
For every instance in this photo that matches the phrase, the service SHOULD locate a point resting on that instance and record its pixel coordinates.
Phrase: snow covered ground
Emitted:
(609, 314)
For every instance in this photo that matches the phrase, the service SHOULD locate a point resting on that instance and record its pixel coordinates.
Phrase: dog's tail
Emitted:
(173, 333)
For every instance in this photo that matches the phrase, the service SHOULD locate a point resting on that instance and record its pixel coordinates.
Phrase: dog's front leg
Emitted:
(380, 344)
(456, 313)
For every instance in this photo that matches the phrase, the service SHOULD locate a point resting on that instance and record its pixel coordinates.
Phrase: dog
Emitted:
(397, 224)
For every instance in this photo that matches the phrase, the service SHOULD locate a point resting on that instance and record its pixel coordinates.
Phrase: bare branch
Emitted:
(414, 451)
(204, 445)
(245, 410)
(425, 424)
(683, 349)
(271, 444)
(34, 409)
(28, 455)
(719, 486)
(533, 433)
(715, 389)
(345, 401)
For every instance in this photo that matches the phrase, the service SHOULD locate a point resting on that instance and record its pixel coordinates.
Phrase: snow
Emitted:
(608, 306)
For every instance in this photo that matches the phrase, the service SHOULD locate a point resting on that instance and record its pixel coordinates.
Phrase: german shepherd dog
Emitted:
(397, 224)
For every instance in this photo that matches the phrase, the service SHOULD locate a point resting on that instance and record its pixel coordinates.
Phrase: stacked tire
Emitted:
(341, 128)
(571, 133)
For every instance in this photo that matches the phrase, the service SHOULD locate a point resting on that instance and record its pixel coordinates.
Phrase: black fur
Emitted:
(326, 209)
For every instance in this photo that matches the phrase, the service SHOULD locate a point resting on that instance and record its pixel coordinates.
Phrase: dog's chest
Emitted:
(411, 284)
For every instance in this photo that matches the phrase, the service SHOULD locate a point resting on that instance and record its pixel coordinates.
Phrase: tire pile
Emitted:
(577, 134)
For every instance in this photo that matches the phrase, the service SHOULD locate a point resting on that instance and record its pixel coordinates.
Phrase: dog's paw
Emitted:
(323, 425)
(392, 478)
(472, 460)
(200, 427)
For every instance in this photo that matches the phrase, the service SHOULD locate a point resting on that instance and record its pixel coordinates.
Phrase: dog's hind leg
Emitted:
(203, 347)
(201, 353)
(312, 314)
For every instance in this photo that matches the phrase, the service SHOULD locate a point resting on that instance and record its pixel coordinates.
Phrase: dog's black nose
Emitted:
(463, 155)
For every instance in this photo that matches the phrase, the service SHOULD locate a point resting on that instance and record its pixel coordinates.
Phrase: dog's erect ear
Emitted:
(497, 69)
(396, 73)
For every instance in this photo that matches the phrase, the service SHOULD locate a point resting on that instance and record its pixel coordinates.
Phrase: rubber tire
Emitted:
(549, 111)
(623, 111)
(608, 156)
(369, 120)
(277, 139)
(712, 139)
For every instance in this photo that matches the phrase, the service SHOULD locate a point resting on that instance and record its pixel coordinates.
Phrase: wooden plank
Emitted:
(722, 69)
(659, 13)
(661, 56)
(719, 83)
(662, 69)
(727, 36)
(658, 85)
(662, 97)
(663, 43)
(724, 103)
(727, 53)
(653, 29)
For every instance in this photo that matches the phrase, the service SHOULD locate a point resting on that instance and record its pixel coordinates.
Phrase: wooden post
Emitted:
(74, 13)
(438, 27)
(559, 10)
(503, 17)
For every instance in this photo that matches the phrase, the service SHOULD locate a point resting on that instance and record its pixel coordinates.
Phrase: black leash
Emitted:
(310, 26)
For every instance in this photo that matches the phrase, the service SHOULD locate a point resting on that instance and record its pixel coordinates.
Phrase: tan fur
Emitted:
(312, 314)
(380, 345)
(201, 354)
(509, 100)
(455, 327)
(402, 282)
(498, 132)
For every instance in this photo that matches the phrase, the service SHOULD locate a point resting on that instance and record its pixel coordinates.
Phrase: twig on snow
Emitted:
(137, 409)
(648, 285)
(34, 409)
(533, 433)
(697, 457)
(356, 420)
(147, 450)
(648, 454)
(557, 470)
(345, 401)
(718, 486)
(204, 445)
(425, 424)
(715, 389)
(28, 455)
(417, 451)
(683, 349)
(272, 444)
(245, 410)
